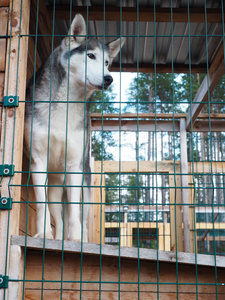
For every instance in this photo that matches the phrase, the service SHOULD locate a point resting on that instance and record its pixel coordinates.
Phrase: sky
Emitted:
(121, 83)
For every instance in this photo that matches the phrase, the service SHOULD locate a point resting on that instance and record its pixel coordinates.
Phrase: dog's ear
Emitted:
(77, 32)
(115, 47)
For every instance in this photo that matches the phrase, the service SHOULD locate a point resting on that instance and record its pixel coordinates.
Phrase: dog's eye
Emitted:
(91, 55)
(106, 63)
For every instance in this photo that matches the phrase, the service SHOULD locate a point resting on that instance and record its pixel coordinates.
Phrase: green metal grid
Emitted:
(198, 184)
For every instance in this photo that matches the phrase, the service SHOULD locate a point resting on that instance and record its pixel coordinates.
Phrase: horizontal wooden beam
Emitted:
(145, 14)
(216, 71)
(206, 126)
(211, 116)
(133, 125)
(135, 116)
(159, 68)
(206, 167)
(113, 251)
(159, 166)
(134, 166)
(202, 125)
(152, 125)
(152, 116)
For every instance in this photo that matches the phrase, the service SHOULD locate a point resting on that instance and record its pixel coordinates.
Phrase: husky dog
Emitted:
(57, 128)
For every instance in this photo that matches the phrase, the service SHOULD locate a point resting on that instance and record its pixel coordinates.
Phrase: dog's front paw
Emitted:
(47, 235)
(74, 240)
(74, 237)
(74, 232)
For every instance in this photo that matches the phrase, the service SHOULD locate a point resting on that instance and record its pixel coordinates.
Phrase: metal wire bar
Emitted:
(136, 207)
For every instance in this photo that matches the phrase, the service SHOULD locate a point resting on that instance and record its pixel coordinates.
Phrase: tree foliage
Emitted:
(154, 93)
(103, 102)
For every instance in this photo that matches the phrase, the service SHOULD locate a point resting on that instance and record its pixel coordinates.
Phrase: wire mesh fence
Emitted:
(112, 190)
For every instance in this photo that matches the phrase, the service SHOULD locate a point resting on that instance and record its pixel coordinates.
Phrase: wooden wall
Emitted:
(4, 13)
(14, 19)
(110, 271)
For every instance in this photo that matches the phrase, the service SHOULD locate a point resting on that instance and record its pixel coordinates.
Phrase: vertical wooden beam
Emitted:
(44, 43)
(102, 209)
(96, 208)
(123, 234)
(167, 237)
(31, 59)
(2, 80)
(4, 11)
(129, 234)
(11, 147)
(175, 215)
(124, 231)
(161, 236)
(191, 213)
(180, 246)
(99, 209)
(184, 182)
(15, 270)
(91, 207)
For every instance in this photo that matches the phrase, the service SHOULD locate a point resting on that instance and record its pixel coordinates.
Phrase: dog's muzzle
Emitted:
(107, 81)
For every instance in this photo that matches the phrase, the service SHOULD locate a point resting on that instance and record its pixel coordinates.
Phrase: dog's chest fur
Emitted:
(58, 128)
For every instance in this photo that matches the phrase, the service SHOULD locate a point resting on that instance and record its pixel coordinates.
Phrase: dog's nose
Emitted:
(107, 80)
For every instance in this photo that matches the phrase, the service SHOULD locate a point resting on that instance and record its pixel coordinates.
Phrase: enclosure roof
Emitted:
(151, 46)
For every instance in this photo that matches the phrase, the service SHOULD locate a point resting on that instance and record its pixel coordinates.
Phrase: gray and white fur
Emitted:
(57, 129)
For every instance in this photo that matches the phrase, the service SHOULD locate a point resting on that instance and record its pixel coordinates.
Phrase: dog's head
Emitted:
(88, 60)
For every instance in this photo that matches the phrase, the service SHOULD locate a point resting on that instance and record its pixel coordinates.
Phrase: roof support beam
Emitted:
(209, 83)
(160, 68)
(146, 14)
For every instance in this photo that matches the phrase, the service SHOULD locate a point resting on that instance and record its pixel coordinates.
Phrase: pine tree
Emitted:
(164, 90)
(102, 102)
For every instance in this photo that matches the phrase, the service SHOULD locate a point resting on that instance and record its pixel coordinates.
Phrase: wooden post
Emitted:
(123, 234)
(15, 268)
(175, 215)
(4, 11)
(184, 182)
(91, 207)
(99, 210)
(161, 236)
(129, 234)
(167, 237)
(11, 147)
(193, 238)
